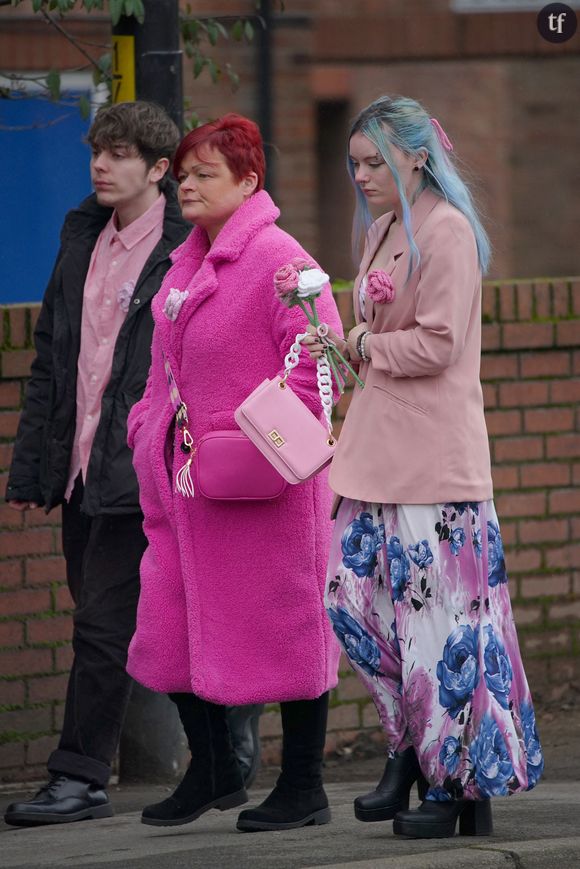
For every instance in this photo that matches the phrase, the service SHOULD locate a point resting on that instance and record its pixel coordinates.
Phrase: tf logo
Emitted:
(557, 22)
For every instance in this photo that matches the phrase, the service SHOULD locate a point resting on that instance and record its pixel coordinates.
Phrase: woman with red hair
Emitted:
(231, 607)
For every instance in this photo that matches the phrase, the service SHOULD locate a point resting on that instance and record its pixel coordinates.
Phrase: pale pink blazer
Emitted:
(416, 433)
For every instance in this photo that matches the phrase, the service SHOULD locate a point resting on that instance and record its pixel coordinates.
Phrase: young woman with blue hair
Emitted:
(417, 585)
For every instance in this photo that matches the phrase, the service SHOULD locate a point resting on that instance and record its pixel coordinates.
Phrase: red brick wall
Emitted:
(531, 375)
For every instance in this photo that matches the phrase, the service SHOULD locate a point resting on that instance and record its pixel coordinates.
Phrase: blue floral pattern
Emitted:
(431, 634)
(534, 756)
(496, 570)
(490, 758)
(498, 669)
(421, 554)
(458, 670)
(450, 753)
(361, 541)
(456, 540)
(399, 568)
(361, 648)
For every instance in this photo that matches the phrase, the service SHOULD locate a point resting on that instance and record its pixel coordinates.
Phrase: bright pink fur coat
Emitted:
(231, 604)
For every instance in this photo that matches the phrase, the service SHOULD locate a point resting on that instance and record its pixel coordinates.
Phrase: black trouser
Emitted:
(102, 555)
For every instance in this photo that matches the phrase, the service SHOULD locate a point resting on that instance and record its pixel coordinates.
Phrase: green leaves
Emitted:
(195, 32)
(53, 84)
(116, 8)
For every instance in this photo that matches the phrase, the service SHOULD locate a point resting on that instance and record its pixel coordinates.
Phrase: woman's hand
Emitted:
(315, 344)
(352, 340)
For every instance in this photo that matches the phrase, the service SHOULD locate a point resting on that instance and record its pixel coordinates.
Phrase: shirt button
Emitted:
(93, 378)
(114, 263)
(107, 301)
(105, 341)
(89, 416)
(136, 301)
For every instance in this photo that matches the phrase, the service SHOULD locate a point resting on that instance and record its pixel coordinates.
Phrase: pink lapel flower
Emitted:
(380, 287)
(286, 280)
(173, 302)
(124, 294)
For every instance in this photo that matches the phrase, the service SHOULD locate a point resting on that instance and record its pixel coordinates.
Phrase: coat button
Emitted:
(136, 301)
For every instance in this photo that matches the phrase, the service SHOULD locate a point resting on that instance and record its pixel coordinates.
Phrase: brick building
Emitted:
(509, 101)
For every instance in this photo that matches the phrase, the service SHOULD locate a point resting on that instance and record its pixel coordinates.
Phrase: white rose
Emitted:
(311, 282)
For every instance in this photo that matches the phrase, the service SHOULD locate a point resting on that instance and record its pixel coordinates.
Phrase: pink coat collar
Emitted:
(257, 212)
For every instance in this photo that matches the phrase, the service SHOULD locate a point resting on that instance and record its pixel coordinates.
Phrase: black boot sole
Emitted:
(322, 816)
(384, 813)
(424, 830)
(33, 819)
(229, 801)
(475, 819)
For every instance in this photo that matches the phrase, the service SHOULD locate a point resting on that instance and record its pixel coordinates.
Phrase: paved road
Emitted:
(538, 830)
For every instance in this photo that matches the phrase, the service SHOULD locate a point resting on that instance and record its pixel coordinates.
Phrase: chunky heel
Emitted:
(437, 820)
(476, 819)
(321, 817)
(232, 800)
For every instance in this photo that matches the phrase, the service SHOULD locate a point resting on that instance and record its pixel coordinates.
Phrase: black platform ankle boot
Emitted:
(437, 820)
(391, 795)
(298, 799)
(213, 779)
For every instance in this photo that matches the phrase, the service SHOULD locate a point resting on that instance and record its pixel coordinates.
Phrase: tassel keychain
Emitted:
(183, 480)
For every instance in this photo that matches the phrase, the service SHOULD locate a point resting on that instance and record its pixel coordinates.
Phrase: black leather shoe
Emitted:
(391, 795)
(286, 808)
(437, 820)
(60, 801)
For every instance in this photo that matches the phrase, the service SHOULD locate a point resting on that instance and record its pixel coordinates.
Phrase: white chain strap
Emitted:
(323, 375)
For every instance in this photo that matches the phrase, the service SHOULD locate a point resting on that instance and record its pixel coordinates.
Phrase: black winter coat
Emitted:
(42, 453)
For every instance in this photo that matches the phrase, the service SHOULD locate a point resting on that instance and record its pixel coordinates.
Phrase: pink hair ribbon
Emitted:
(442, 135)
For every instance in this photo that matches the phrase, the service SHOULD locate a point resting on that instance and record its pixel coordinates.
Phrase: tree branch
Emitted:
(50, 20)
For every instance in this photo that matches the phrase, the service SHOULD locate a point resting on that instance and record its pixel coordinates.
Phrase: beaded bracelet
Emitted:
(360, 346)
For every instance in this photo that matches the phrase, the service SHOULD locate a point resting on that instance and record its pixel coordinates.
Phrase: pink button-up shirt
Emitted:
(117, 261)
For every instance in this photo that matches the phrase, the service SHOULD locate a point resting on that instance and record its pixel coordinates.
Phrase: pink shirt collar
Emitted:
(131, 235)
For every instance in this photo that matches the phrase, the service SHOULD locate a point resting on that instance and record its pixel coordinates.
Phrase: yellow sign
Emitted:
(123, 86)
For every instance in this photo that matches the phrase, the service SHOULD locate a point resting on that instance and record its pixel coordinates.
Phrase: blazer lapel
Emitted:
(397, 244)
(423, 205)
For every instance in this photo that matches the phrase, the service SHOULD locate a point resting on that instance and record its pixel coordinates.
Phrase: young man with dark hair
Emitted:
(93, 341)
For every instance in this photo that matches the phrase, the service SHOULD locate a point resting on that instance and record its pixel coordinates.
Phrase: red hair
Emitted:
(237, 138)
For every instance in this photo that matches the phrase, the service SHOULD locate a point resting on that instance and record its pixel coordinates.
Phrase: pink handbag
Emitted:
(287, 433)
(228, 467)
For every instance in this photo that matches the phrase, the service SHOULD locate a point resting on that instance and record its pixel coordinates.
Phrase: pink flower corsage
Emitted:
(124, 294)
(380, 287)
(173, 302)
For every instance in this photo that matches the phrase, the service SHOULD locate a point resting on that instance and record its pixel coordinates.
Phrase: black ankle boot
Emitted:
(298, 799)
(286, 808)
(437, 820)
(391, 795)
(213, 779)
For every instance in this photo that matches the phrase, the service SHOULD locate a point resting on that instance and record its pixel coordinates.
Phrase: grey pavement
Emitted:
(536, 830)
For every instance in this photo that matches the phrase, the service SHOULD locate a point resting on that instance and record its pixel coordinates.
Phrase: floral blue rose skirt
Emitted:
(419, 601)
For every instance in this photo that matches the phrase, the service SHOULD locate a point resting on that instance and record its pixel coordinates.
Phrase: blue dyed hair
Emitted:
(404, 123)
